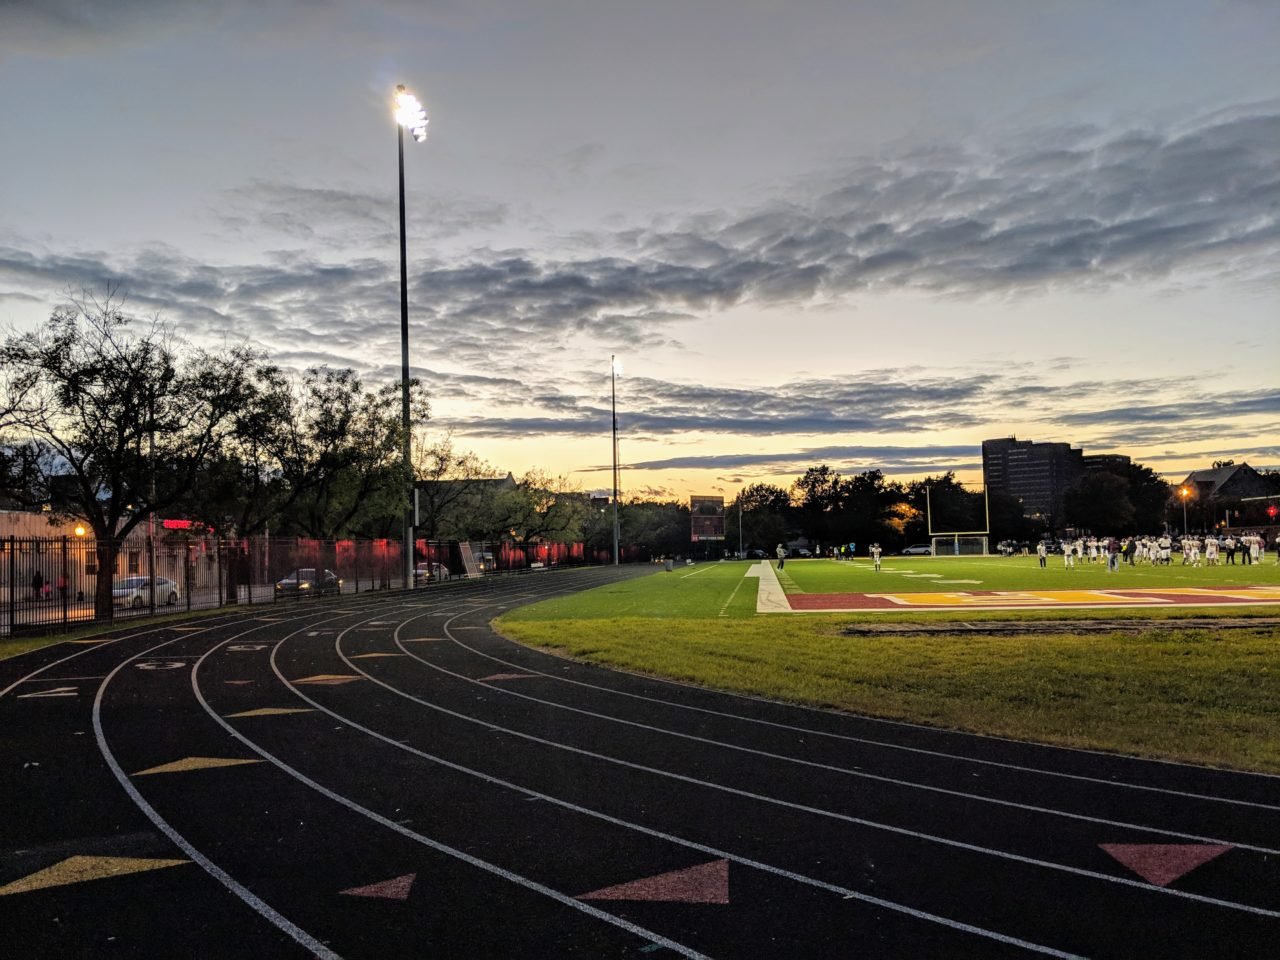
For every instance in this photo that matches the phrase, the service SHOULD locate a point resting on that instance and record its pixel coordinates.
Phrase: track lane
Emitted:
(1138, 885)
(346, 763)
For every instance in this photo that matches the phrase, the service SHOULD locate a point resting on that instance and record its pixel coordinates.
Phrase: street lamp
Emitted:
(614, 367)
(409, 114)
(1183, 492)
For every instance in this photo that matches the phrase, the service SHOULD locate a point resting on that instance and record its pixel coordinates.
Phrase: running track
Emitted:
(383, 776)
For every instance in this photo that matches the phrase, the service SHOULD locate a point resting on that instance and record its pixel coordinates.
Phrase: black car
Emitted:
(309, 580)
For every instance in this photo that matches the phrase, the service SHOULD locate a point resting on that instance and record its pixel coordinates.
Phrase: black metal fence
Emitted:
(64, 582)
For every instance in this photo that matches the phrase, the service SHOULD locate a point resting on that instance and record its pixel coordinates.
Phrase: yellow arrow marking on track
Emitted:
(79, 869)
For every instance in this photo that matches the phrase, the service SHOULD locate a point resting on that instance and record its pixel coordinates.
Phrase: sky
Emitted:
(862, 234)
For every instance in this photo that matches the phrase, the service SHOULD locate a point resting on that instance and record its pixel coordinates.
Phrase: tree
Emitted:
(342, 455)
(542, 508)
(766, 516)
(447, 480)
(818, 497)
(656, 528)
(1099, 502)
(118, 424)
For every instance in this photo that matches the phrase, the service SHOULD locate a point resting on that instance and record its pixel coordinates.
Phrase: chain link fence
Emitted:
(64, 582)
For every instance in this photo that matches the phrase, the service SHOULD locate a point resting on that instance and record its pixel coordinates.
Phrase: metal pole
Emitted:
(613, 404)
(407, 549)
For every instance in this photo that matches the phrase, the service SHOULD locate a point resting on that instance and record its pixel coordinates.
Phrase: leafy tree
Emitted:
(656, 528)
(118, 424)
(449, 482)
(542, 508)
(766, 516)
(342, 454)
(818, 496)
(1099, 502)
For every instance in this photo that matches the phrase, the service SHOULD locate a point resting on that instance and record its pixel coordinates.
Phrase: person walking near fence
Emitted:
(37, 585)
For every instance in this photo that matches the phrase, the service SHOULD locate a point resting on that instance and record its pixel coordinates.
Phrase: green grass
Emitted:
(1206, 696)
(1015, 573)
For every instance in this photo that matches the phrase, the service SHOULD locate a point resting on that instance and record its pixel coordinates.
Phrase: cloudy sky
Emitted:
(815, 231)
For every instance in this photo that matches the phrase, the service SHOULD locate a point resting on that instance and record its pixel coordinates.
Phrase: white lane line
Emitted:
(860, 774)
(850, 772)
(299, 935)
(845, 818)
(531, 794)
(103, 644)
(426, 841)
(884, 744)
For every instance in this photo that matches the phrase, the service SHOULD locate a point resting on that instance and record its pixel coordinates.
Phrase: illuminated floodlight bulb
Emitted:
(616, 365)
(410, 114)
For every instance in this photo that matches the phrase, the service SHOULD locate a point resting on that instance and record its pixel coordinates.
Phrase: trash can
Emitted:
(668, 564)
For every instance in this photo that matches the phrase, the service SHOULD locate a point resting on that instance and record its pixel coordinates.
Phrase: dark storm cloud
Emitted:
(855, 459)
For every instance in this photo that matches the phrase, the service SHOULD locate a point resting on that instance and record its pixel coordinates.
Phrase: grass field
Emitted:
(1202, 695)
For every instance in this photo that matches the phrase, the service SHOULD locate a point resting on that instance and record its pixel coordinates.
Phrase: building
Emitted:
(1232, 481)
(1037, 474)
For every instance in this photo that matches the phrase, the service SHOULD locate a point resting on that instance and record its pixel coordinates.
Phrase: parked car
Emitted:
(757, 555)
(802, 553)
(426, 572)
(136, 592)
(307, 580)
(918, 550)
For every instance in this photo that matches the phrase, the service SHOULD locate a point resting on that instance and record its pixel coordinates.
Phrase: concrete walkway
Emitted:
(770, 598)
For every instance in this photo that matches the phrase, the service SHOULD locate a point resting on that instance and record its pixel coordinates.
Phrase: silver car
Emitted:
(136, 592)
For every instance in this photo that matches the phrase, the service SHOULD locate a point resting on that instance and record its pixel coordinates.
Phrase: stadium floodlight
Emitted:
(1183, 492)
(411, 116)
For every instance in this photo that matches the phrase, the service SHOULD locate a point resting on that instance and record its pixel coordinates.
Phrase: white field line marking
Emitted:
(862, 775)
(247, 896)
(817, 811)
(884, 744)
(531, 794)
(736, 588)
(426, 841)
(697, 571)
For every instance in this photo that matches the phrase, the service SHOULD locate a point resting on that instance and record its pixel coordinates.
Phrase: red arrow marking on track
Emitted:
(705, 883)
(396, 888)
(1163, 863)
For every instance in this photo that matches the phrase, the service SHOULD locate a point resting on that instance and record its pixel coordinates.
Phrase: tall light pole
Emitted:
(613, 405)
(1183, 492)
(410, 114)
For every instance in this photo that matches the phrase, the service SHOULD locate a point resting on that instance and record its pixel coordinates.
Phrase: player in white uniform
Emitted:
(875, 556)
(1211, 552)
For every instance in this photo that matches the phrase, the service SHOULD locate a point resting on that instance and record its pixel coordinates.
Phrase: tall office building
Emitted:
(1037, 474)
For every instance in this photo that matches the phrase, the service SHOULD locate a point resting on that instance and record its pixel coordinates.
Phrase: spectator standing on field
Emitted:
(1231, 549)
(782, 555)
(1043, 553)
